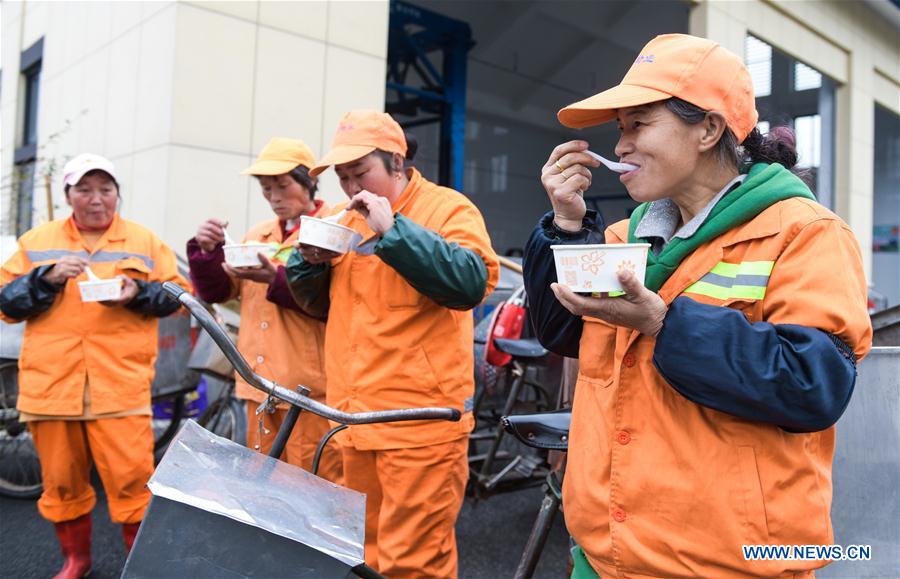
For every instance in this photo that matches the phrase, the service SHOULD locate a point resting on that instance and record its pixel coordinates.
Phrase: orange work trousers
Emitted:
(413, 496)
(301, 445)
(122, 450)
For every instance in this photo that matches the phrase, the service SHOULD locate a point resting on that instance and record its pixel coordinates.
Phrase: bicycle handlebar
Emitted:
(208, 323)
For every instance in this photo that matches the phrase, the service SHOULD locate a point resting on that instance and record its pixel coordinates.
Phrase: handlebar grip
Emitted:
(173, 289)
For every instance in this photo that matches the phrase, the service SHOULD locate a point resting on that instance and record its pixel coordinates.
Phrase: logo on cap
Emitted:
(642, 58)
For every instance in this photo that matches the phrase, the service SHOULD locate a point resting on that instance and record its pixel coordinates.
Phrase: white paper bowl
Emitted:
(592, 268)
(325, 234)
(246, 254)
(100, 290)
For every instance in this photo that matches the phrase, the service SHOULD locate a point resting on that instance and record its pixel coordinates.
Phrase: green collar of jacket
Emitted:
(765, 185)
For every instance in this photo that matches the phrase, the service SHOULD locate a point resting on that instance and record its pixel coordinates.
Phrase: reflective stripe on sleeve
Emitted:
(746, 280)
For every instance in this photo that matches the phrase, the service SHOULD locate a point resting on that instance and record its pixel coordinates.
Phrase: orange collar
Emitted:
(115, 231)
(412, 188)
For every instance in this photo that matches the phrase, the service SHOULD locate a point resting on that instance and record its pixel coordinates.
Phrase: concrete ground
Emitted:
(491, 536)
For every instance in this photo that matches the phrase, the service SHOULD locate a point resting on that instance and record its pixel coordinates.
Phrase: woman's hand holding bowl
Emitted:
(639, 309)
(265, 273)
(566, 176)
(129, 291)
(316, 255)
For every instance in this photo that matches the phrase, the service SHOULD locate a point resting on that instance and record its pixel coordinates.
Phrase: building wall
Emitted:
(847, 41)
(182, 95)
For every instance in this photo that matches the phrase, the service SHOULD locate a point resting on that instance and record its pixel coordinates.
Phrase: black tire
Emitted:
(20, 468)
(164, 430)
(226, 417)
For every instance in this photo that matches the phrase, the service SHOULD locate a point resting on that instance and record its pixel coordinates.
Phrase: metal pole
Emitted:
(49, 190)
(507, 410)
(538, 536)
(284, 432)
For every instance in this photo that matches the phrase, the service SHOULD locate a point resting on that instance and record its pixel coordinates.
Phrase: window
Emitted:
(32, 79)
(758, 56)
(886, 208)
(805, 77)
(809, 140)
(26, 149)
(790, 92)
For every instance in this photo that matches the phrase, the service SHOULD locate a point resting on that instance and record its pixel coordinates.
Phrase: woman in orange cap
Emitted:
(706, 400)
(280, 341)
(85, 367)
(399, 335)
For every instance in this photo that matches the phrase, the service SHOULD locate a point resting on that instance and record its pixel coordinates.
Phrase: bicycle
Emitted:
(498, 463)
(224, 414)
(548, 431)
(298, 400)
(20, 469)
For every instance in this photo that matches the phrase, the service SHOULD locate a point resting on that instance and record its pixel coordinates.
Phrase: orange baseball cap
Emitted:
(358, 134)
(693, 69)
(281, 156)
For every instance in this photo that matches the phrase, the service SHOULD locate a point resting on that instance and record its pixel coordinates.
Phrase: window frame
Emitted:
(25, 154)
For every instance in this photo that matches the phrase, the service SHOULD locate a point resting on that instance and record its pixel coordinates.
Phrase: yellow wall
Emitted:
(182, 95)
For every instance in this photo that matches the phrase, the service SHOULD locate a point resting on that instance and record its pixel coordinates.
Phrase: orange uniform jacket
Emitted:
(283, 345)
(644, 448)
(113, 348)
(388, 346)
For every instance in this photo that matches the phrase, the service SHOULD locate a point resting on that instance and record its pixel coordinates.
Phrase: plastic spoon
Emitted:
(336, 217)
(228, 239)
(612, 165)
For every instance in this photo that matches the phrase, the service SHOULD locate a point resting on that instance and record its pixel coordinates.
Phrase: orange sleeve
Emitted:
(465, 226)
(15, 267)
(818, 281)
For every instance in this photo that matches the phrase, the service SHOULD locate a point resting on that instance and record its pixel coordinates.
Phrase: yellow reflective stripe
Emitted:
(283, 255)
(749, 292)
(744, 268)
(745, 280)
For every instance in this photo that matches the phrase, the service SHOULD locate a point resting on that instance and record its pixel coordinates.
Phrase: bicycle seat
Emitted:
(545, 430)
(527, 348)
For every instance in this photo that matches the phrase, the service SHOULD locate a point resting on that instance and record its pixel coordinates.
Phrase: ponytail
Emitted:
(778, 146)
(412, 145)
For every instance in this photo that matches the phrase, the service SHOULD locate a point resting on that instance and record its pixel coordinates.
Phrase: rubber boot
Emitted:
(129, 532)
(75, 541)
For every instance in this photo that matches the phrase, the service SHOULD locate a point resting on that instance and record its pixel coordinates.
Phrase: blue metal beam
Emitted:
(416, 91)
(420, 40)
